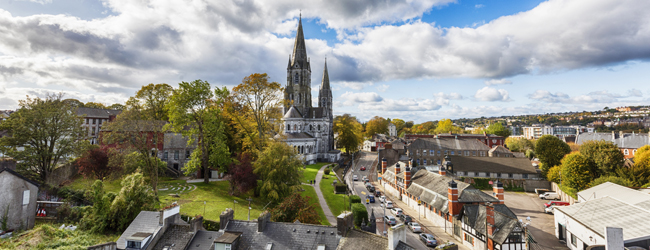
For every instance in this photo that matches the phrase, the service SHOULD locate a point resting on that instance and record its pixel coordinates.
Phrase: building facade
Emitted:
(93, 118)
(309, 129)
(18, 197)
(426, 151)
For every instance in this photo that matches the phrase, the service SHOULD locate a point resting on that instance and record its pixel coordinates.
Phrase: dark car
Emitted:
(428, 240)
(377, 193)
(371, 189)
(405, 218)
(371, 198)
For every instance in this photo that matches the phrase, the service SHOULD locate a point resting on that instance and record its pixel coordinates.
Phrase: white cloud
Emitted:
(478, 6)
(382, 88)
(595, 97)
(350, 98)
(488, 94)
(38, 1)
(404, 104)
(497, 82)
(635, 93)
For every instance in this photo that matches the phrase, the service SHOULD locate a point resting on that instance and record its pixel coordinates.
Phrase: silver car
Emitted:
(415, 227)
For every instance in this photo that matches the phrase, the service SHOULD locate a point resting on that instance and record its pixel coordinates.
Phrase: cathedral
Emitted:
(307, 128)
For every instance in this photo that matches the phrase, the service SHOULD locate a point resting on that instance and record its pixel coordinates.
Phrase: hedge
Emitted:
(340, 188)
(359, 213)
(355, 199)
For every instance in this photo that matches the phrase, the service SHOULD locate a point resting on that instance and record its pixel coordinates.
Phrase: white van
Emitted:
(550, 196)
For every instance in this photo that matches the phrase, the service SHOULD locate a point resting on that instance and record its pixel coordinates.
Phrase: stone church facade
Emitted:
(307, 128)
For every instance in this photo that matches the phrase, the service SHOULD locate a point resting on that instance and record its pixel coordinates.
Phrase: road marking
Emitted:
(363, 193)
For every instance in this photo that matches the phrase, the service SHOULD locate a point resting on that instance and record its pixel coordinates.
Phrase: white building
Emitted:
(392, 129)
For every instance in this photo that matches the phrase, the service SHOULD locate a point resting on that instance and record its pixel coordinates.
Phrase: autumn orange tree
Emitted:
(376, 125)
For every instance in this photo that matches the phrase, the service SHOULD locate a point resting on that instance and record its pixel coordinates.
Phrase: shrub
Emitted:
(355, 199)
(613, 179)
(69, 214)
(359, 213)
(326, 171)
(210, 225)
(482, 183)
(340, 188)
(553, 174)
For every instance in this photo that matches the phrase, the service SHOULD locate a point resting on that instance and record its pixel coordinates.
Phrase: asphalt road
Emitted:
(367, 160)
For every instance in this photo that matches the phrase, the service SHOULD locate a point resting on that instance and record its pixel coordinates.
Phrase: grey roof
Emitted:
(505, 221)
(619, 192)
(493, 164)
(19, 176)
(178, 235)
(398, 144)
(292, 113)
(315, 112)
(145, 222)
(610, 212)
(283, 236)
(500, 149)
(519, 154)
(228, 237)
(357, 239)
(203, 240)
(391, 155)
(301, 135)
(626, 141)
(401, 245)
(447, 144)
(97, 113)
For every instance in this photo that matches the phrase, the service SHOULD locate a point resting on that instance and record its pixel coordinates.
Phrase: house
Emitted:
(431, 151)
(18, 199)
(460, 209)
(583, 224)
(627, 142)
(488, 139)
(493, 167)
(500, 151)
(392, 129)
(148, 227)
(93, 118)
(176, 152)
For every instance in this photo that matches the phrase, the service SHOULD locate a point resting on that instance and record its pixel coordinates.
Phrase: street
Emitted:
(367, 160)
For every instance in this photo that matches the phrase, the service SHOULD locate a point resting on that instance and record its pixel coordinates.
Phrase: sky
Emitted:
(418, 60)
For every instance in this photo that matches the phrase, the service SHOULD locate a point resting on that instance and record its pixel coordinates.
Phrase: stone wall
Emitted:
(531, 185)
(105, 246)
(61, 174)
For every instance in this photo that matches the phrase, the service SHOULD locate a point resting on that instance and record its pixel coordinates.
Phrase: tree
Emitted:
(577, 171)
(447, 126)
(498, 129)
(94, 163)
(74, 103)
(519, 144)
(260, 100)
(134, 197)
(241, 174)
(359, 213)
(193, 113)
(349, 131)
(639, 173)
(116, 106)
(48, 130)
(613, 179)
(642, 150)
(553, 174)
(152, 99)
(550, 150)
(95, 105)
(399, 124)
(606, 156)
(279, 168)
(424, 128)
(376, 125)
(295, 207)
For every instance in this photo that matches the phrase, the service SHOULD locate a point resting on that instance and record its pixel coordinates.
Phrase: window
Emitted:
(473, 153)
(452, 152)
(94, 120)
(26, 197)
(424, 162)
(187, 154)
(296, 79)
(459, 173)
(432, 153)
(100, 121)
(574, 240)
(165, 155)
(418, 161)
(438, 152)
(475, 173)
(626, 152)
(482, 153)
(424, 152)
(228, 247)
(487, 174)
(134, 244)
(498, 175)
(93, 131)
(466, 153)
(509, 175)
(87, 120)
(318, 127)
(439, 162)
(525, 176)
(176, 155)
(446, 152)
(469, 239)
(460, 152)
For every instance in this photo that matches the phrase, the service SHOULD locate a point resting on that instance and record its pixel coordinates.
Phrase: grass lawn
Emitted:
(79, 182)
(311, 192)
(334, 201)
(48, 236)
(309, 173)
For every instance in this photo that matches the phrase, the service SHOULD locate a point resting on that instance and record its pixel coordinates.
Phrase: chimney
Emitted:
(264, 218)
(384, 165)
(613, 136)
(344, 223)
(620, 134)
(225, 217)
(497, 191)
(489, 215)
(452, 198)
(397, 169)
(614, 238)
(197, 223)
(169, 211)
(442, 170)
(396, 234)
(407, 176)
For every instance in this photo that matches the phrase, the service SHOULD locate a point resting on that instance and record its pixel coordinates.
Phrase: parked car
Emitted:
(549, 196)
(366, 181)
(382, 199)
(355, 177)
(428, 240)
(370, 198)
(415, 227)
(407, 219)
(539, 191)
(550, 210)
(396, 211)
(363, 169)
(389, 204)
(371, 189)
(556, 203)
(390, 220)
(377, 193)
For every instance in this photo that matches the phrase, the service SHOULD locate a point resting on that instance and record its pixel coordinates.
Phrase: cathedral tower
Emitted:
(298, 90)
(325, 102)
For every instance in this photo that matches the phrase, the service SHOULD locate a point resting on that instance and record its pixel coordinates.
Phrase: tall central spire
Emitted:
(299, 55)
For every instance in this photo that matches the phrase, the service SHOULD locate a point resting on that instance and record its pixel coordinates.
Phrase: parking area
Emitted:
(541, 227)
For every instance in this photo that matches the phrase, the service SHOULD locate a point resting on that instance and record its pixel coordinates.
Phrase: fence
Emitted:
(563, 196)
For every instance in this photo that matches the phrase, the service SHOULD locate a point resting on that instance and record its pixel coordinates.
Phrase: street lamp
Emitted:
(233, 207)
(525, 227)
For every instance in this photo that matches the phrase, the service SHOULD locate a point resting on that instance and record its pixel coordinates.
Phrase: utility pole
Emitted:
(249, 207)
(233, 208)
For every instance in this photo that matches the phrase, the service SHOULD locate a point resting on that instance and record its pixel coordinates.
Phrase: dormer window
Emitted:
(134, 244)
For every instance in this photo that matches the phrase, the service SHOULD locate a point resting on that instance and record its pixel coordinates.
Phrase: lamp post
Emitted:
(525, 227)
(249, 207)
(233, 207)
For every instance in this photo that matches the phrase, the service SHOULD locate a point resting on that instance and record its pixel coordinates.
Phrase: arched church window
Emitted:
(310, 128)
(288, 127)
(294, 126)
(318, 127)
(296, 79)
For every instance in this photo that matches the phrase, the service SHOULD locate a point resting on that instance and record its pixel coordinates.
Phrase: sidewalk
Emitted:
(321, 199)
(431, 228)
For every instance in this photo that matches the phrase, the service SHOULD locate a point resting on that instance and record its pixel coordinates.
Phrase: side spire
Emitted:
(325, 83)
(299, 55)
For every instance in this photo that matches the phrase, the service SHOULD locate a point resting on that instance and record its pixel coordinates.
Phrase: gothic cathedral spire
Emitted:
(298, 90)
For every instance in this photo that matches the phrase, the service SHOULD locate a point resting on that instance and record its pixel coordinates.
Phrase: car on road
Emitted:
(549, 196)
(363, 169)
(355, 177)
(382, 199)
(396, 211)
(389, 204)
(414, 227)
(390, 220)
(370, 198)
(377, 193)
(366, 181)
(550, 210)
(556, 203)
(405, 218)
(428, 240)
(539, 191)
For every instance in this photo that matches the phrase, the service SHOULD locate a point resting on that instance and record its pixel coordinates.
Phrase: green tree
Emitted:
(376, 125)
(399, 124)
(194, 113)
(606, 155)
(498, 129)
(132, 198)
(116, 106)
(152, 99)
(359, 213)
(424, 128)
(550, 150)
(95, 105)
(613, 179)
(350, 134)
(295, 207)
(74, 103)
(48, 130)
(279, 168)
(260, 100)
(553, 174)
(519, 144)
(447, 126)
(577, 171)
